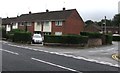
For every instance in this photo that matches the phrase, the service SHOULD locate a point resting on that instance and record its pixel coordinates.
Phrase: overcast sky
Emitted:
(88, 9)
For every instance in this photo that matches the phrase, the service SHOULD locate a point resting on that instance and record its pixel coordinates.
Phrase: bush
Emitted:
(108, 39)
(24, 37)
(52, 39)
(3, 33)
(17, 35)
(91, 34)
(116, 38)
(66, 39)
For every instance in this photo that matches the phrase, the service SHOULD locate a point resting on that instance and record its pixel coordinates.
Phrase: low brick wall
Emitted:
(95, 42)
(65, 45)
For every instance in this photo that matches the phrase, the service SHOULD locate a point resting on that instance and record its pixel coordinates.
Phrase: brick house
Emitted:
(9, 23)
(92, 28)
(51, 22)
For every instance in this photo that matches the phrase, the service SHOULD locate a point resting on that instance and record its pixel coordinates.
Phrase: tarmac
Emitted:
(101, 54)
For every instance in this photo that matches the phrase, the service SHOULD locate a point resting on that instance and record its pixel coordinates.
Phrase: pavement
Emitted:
(101, 54)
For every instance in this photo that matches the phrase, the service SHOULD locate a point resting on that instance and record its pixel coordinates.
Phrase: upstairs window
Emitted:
(29, 23)
(58, 23)
(46, 23)
(38, 23)
(21, 24)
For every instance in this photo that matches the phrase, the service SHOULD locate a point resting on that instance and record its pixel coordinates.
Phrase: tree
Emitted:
(116, 20)
(89, 22)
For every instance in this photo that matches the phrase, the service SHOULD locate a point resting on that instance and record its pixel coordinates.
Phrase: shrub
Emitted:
(52, 39)
(66, 39)
(91, 34)
(3, 33)
(24, 37)
(116, 38)
(108, 39)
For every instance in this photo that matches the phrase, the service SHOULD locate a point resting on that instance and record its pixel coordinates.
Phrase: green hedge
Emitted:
(116, 38)
(24, 37)
(108, 39)
(3, 33)
(91, 34)
(18, 35)
(66, 39)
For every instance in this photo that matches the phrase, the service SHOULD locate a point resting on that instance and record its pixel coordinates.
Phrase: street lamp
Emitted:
(104, 26)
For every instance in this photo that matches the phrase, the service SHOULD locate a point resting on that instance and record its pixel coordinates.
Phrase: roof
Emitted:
(9, 20)
(94, 25)
(44, 16)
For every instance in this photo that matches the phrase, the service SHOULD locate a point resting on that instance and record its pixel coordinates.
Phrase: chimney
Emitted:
(30, 12)
(63, 8)
(47, 10)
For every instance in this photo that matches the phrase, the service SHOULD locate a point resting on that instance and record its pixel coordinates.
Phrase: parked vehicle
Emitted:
(37, 38)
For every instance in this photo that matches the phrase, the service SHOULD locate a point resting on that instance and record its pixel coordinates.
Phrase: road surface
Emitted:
(16, 58)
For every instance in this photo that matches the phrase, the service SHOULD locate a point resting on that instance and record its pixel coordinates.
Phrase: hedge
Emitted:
(17, 35)
(66, 39)
(91, 34)
(108, 39)
(24, 37)
(116, 38)
(3, 33)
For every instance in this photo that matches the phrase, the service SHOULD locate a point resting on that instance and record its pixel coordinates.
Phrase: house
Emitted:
(92, 28)
(111, 29)
(9, 23)
(50, 22)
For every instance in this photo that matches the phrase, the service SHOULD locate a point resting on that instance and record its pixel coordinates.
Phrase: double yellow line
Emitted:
(115, 57)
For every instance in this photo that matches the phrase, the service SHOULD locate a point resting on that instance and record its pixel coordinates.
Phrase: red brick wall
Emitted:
(57, 28)
(74, 24)
(29, 28)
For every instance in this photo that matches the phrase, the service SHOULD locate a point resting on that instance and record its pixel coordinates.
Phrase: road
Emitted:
(16, 58)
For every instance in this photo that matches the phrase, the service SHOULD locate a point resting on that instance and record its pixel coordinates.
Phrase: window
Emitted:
(29, 24)
(38, 23)
(46, 23)
(58, 23)
(21, 24)
(58, 33)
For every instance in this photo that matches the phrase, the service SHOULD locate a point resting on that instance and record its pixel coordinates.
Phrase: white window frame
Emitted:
(58, 23)
(46, 23)
(22, 24)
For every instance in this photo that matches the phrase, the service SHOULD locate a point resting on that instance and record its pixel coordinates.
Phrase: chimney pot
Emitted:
(47, 10)
(64, 8)
(30, 12)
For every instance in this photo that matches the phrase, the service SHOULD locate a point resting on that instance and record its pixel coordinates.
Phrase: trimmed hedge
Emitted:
(3, 33)
(24, 37)
(17, 35)
(91, 34)
(108, 39)
(116, 38)
(66, 39)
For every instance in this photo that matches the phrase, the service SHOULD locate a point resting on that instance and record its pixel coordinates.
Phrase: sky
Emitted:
(88, 9)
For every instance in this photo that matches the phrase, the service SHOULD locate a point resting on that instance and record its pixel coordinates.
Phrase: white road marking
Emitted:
(49, 63)
(72, 56)
(9, 52)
